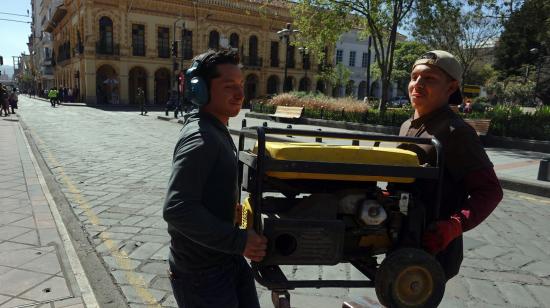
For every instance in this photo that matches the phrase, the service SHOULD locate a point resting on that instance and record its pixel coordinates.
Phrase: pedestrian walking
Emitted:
(207, 267)
(471, 190)
(70, 94)
(13, 99)
(140, 97)
(4, 101)
(52, 95)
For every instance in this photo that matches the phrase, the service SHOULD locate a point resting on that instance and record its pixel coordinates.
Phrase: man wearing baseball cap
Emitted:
(471, 190)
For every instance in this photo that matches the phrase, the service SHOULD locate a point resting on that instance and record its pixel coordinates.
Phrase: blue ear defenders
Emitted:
(196, 89)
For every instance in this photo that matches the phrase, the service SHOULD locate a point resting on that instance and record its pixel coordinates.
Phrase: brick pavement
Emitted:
(113, 168)
(35, 269)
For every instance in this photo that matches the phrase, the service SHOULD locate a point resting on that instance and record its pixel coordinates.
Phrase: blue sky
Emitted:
(14, 35)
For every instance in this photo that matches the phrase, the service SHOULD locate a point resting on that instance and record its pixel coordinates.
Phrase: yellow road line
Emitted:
(529, 197)
(136, 281)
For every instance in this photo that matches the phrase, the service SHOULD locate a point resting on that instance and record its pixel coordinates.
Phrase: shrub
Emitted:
(509, 121)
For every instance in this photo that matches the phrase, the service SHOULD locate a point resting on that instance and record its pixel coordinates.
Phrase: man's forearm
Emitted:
(485, 193)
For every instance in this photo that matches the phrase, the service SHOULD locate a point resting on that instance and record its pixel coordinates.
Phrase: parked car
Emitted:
(399, 101)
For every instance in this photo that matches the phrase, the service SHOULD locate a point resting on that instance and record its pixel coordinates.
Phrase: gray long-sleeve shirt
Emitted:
(202, 194)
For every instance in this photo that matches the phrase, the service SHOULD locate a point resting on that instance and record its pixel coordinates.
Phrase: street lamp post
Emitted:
(285, 34)
(304, 51)
(175, 93)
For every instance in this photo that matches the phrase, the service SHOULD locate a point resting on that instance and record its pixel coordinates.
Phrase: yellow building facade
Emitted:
(104, 50)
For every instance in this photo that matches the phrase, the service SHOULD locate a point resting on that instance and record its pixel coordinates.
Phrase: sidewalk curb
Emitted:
(524, 187)
(86, 290)
(506, 182)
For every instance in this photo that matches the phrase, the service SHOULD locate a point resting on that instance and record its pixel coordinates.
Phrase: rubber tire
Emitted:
(399, 260)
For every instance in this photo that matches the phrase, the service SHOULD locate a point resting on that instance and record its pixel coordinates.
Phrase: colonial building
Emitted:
(41, 43)
(352, 51)
(106, 49)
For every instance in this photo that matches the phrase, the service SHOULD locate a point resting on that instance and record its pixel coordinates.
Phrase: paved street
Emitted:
(113, 167)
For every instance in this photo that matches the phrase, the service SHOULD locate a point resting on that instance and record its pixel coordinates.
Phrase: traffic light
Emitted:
(174, 49)
(1, 60)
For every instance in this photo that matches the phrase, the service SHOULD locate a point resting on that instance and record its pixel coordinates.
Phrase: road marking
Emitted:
(528, 197)
(80, 276)
(121, 258)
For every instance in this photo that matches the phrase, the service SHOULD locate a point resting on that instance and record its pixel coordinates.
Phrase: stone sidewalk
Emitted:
(37, 260)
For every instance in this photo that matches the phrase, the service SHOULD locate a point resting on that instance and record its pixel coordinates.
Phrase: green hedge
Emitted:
(506, 121)
(390, 118)
(513, 122)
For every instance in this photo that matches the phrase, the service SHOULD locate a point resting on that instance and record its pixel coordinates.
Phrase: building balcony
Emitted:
(252, 61)
(107, 49)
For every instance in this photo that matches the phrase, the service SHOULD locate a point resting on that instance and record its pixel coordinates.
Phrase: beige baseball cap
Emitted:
(447, 63)
(443, 60)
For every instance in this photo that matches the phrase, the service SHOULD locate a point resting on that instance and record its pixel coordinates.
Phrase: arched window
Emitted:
(304, 84)
(362, 90)
(106, 34)
(214, 40)
(234, 40)
(272, 84)
(320, 86)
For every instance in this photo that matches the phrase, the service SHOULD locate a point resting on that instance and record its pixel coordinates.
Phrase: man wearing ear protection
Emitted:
(207, 267)
(471, 190)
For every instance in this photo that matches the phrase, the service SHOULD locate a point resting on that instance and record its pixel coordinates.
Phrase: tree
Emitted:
(527, 28)
(513, 90)
(461, 28)
(322, 22)
(481, 73)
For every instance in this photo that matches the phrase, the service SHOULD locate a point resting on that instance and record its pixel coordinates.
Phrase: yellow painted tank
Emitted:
(339, 154)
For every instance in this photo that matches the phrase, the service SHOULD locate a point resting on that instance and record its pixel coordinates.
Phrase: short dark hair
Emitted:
(211, 59)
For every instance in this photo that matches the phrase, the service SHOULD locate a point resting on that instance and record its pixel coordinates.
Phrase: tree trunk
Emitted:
(384, 99)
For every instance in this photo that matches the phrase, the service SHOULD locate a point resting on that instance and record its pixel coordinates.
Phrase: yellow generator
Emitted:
(320, 204)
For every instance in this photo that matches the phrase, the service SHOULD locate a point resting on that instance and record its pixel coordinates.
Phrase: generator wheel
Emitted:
(410, 278)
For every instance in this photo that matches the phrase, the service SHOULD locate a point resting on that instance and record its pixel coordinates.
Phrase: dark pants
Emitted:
(229, 285)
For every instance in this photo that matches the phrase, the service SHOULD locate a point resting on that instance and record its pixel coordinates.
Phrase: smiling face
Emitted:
(430, 88)
(226, 92)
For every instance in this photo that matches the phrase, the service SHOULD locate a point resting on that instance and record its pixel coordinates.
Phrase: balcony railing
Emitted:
(107, 49)
(252, 61)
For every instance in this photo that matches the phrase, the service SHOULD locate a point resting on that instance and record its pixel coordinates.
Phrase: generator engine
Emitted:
(347, 224)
